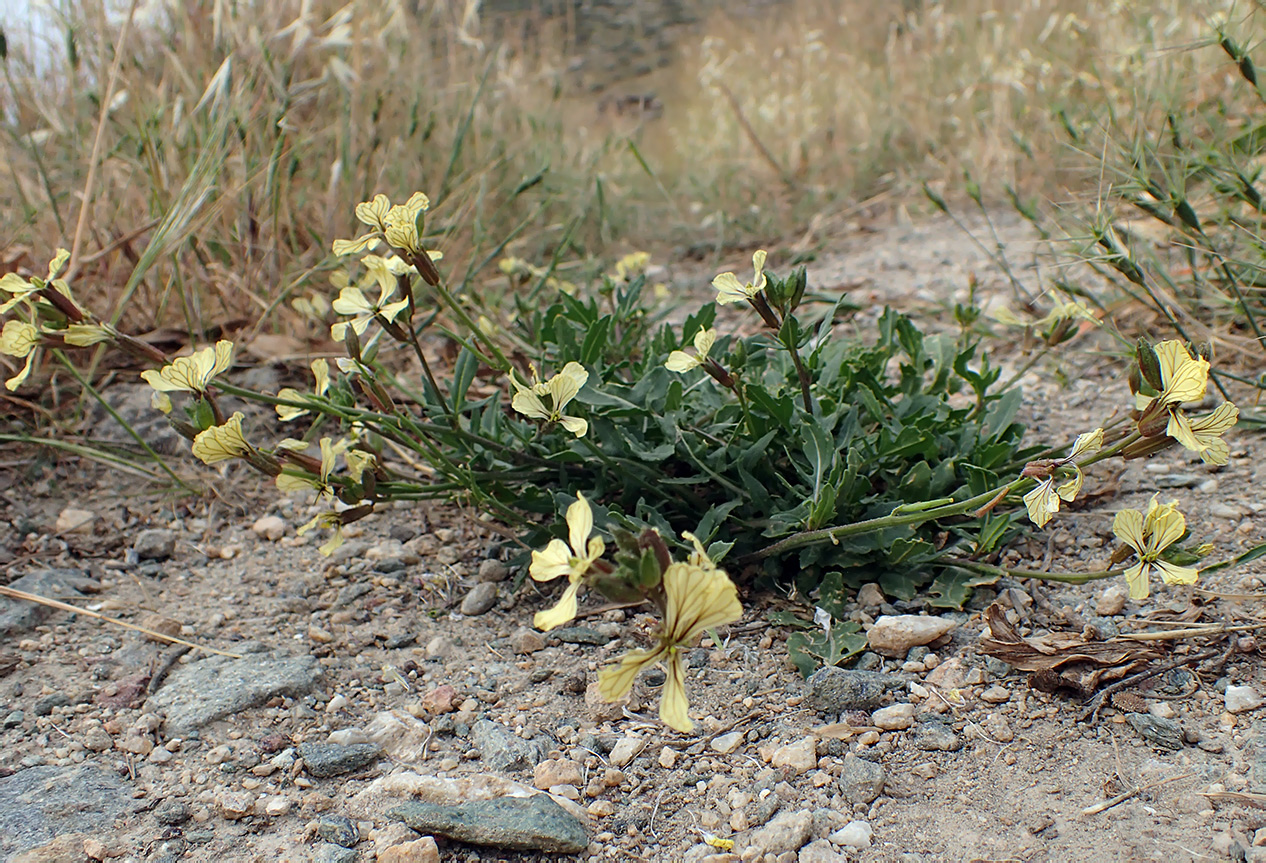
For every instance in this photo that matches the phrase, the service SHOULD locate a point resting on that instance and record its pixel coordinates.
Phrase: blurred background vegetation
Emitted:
(200, 156)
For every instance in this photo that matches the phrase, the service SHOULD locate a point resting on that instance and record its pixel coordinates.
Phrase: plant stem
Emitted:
(1064, 577)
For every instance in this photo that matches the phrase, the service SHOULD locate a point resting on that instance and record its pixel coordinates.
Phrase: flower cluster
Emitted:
(1164, 378)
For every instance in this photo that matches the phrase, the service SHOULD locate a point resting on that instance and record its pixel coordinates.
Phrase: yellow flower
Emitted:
(321, 373)
(19, 339)
(680, 361)
(558, 560)
(1204, 434)
(320, 483)
(1043, 501)
(22, 289)
(731, 290)
(400, 225)
(1149, 535)
(697, 598)
(192, 374)
(1184, 378)
(83, 335)
(160, 401)
(561, 388)
(631, 266)
(351, 301)
(328, 520)
(221, 443)
(358, 461)
(1071, 310)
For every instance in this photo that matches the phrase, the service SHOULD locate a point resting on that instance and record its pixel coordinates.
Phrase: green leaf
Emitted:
(1247, 557)
(789, 618)
(953, 588)
(811, 651)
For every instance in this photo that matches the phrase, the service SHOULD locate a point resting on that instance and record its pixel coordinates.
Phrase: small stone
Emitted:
(835, 690)
(323, 760)
(13, 719)
(801, 756)
(328, 852)
(423, 850)
(601, 808)
(319, 635)
(441, 699)
(787, 831)
(861, 781)
(625, 750)
(480, 600)
(870, 596)
(820, 851)
(530, 823)
(580, 635)
(44, 706)
(1163, 732)
(338, 829)
(277, 806)
(492, 570)
(998, 729)
(855, 834)
(996, 695)
(1112, 600)
(235, 805)
(95, 849)
(668, 757)
(502, 749)
(1220, 509)
(135, 744)
(172, 812)
(934, 735)
(347, 736)
(75, 520)
(525, 641)
(1177, 480)
(1241, 699)
(893, 718)
(894, 635)
(269, 527)
(160, 755)
(727, 743)
(154, 544)
(1162, 710)
(556, 771)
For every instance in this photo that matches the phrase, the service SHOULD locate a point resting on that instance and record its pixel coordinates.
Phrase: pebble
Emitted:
(870, 596)
(998, 729)
(338, 829)
(75, 520)
(323, 760)
(480, 600)
(209, 689)
(625, 750)
(996, 695)
(820, 851)
(934, 735)
(277, 806)
(668, 758)
(1241, 699)
(423, 850)
(1177, 480)
(44, 706)
(328, 852)
(787, 831)
(894, 635)
(727, 743)
(534, 823)
(235, 805)
(835, 690)
(1112, 600)
(556, 771)
(1219, 509)
(855, 834)
(155, 544)
(894, 717)
(269, 527)
(801, 756)
(1165, 733)
(172, 812)
(525, 641)
(347, 736)
(861, 781)
(492, 570)
(501, 749)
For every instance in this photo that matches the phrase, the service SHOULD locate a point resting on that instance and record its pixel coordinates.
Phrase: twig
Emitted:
(1091, 712)
(698, 745)
(169, 662)
(1126, 795)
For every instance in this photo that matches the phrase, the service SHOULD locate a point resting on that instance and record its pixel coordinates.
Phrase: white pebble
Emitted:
(855, 834)
(1241, 699)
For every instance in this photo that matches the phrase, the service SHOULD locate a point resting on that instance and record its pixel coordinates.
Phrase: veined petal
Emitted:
(529, 404)
(1179, 428)
(579, 524)
(351, 301)
(1069, 490)
(294, 482)
(575, 425)
(1185, 377)
(321, 372)
(704, 340)
(25, 372)
(1127, 525)
(680, 361)
(83, 335)
(758, 264)
(286, 413)
(1166, 526)
(60, 257)
(1042, 502)
(563, 612)
(614, 682)
(1136, 578)
(730, 289)
(1208, 430)
(18, 338)
(374, 211)
(565, 385)
(223, 442)
(358, 461)
(1173, 574)
(328, 454)
(552, 563)
(352, 247)
(673, 704)
(222, 360)
(1091, 441)
(336, 539)
(390, 310)
(696, 598)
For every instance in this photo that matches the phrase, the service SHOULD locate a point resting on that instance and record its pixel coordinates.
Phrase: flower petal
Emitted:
(1042, 502)
(1171, 573)
(552, 563)
(673, 704)
(563, 612)
(575, 425)
(1128, 527)
(615, 681)
(680, 361)
(1136, 578)
(579, 524)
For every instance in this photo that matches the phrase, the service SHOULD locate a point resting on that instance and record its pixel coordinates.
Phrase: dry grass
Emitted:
(241, 135)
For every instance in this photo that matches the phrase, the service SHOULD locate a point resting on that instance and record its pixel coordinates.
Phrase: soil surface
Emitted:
(399, 679)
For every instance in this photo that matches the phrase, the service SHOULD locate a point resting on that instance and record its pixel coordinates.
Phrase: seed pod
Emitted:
(1149, 365)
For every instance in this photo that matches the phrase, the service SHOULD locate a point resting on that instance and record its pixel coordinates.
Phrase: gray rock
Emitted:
(834, 690)
(155, 544)
(13, 719)
(323, 760)
(533, 823)
(172, 812)
(789, 831)
(1165, 733)
(935, 735)
(338, 829)
(492, 570)
(861, 781)
(41, 803)
(45, 705)
(502, 750)
(17, 615)
(1177, 480)
(579, 635)
(328, 852)
(209, 689)
(350, 594)
(480, 600)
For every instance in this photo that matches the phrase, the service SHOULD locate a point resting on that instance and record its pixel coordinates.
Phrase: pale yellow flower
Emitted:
(697, 598)
(561, 388)
(160, 401)
(731, 290)
(397, 224)
(321, 374)
(328, 520)
(83, 335)
(1203, 434)
(358, 461)
(558, 560)
(321, 483)
(1149, 535)
(1184, 378)
(632, 265)
(19, 339)
(352, 301)
(1071, 310)
(223, 442)
(680, 361)
(192, 374)
(1044, 500)
(22, 289)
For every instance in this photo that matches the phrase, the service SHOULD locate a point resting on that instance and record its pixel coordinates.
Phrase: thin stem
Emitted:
(1064, 577)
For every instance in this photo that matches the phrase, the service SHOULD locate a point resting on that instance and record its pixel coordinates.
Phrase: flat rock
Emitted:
(862, 781)
(788, 831)
(1165, 733)
(422, 850)
(934, 735)
(894, 635)
(17, 615)
(209, 689)
(155, 544)
(1241, 699)
(41, 803)
(502, 750)
(579, 635)
(323, 760)
(835, 690)
(480, 600)
(533, 823)
(801, 756)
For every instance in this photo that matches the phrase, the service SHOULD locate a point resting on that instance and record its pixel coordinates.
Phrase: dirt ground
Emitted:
(1002, 771)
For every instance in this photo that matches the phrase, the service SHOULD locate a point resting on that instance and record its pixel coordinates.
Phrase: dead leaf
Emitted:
(1064, 660)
